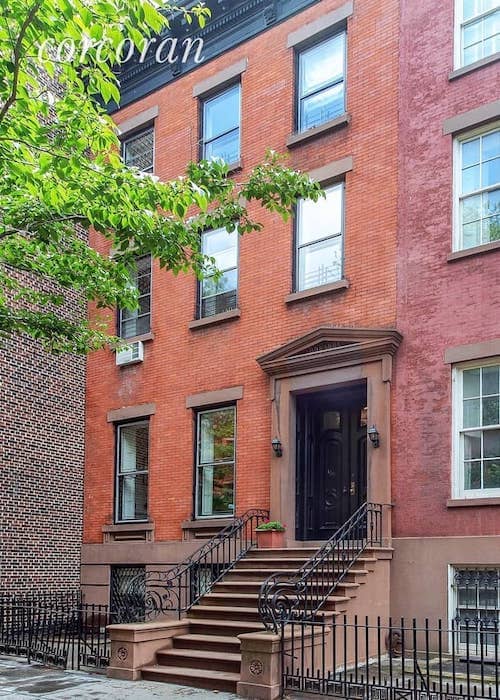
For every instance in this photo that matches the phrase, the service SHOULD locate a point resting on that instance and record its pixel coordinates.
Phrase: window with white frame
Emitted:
(475, 606)
(138, 150)
(132, 467)
(221, 125)
(319, 245)
(478, 189)
(218, 290)
(477, 30)
(215, 459)
(477, 420)
(321, 82)
(138, 321)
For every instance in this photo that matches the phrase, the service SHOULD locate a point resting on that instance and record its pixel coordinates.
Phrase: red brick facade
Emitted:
(180, 361)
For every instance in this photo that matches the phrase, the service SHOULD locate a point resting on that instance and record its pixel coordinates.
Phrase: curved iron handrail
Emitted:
(285, 598)
(153, 593)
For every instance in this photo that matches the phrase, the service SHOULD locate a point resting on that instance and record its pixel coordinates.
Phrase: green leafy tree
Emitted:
(61, 173)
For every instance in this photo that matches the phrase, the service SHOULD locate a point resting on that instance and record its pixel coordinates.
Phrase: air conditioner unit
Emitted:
(132, 353)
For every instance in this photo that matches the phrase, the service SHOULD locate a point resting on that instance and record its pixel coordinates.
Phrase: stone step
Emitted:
(225, 612)
(194, 677)
(251, 599)
(208, 642)
(223, 628)
(200, 658)
(236, 585)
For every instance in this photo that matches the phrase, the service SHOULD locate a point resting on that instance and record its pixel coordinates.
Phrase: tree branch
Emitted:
(17, 58)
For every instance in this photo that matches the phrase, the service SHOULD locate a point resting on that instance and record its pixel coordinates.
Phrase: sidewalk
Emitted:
(22, 681)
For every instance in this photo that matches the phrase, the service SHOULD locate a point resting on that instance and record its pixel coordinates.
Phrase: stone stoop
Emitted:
(209, 654)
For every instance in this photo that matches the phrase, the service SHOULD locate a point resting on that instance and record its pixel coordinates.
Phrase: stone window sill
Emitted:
(477, 250)
(465, 70)
(123, 532)
(472, 502)
(304, 136)
(214, 320)
(206, 523)
(317, 291)
(235, 167)
(144, 337)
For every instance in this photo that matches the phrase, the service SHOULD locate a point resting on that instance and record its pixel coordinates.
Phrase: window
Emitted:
(215, 454)
(132, 472)
(127, 600)
(478, 435)
(221, 126)
(138, 150)
(321, 84)
(478, 185)
(319, 240)
(138, 321)
(478, 30)
(475, 606)
(218, 290)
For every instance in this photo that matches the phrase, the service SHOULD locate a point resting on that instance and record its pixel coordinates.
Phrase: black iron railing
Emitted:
(390, 659)
(176, 590)
(284, 598)
(56, 629)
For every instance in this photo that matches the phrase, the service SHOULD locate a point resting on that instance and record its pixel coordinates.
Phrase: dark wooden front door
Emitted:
(331, 460)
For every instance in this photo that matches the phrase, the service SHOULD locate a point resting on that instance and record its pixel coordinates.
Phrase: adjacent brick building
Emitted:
(447, 515)
(42, 409)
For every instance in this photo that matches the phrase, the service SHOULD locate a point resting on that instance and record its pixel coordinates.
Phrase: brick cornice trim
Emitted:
(211, 398)
(329, 347)
(472, 118)
(128, 412)
(474, 351)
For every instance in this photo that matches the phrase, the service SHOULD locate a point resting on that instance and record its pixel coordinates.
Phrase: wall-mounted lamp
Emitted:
(277, 448)
(374, 436)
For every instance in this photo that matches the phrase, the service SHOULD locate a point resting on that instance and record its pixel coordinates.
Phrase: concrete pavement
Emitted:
(22, 681)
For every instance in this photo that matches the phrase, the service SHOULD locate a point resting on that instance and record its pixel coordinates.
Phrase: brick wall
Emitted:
(181, 361)
(41, 456)
(440, 304)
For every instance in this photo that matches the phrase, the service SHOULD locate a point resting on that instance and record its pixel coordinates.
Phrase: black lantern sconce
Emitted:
(277, 448)
(374, 436)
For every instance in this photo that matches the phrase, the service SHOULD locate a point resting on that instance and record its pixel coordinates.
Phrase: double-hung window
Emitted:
(319, 245)
(221, 125)
(321, 82)
(477, 431)
(478, 185)
(138, 321)
(218, 290)
(215, 458)
(132, 466)
(478, 30)
(138, 150)
(475, 608)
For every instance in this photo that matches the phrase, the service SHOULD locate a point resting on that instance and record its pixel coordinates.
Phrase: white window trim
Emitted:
(457, 469)
(118, 472)
(457, 179)
(120, 320)
(224, 516)
(457, 39)
(340, 235)
(299, 98)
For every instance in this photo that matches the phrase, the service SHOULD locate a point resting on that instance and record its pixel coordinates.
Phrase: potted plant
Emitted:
(270, 535)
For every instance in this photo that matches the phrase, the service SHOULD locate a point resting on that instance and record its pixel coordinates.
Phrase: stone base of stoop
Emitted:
(135, 645)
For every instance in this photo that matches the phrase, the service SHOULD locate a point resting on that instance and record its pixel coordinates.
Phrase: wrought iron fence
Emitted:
(56, 629)
(158, 593)
(392, 660)
(283, 598)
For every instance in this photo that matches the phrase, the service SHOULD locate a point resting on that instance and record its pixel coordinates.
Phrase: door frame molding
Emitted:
(328, 357)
